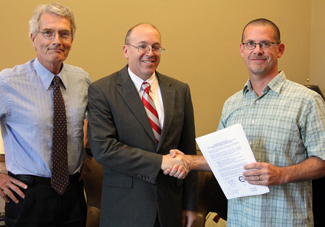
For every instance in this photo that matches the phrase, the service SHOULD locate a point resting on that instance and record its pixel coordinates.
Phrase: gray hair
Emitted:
(55, 8)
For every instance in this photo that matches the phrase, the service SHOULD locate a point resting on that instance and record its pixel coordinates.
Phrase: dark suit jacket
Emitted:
(134, 188)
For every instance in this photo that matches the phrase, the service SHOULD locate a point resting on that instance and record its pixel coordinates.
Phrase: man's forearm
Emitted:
(309, 169)
(198, 162)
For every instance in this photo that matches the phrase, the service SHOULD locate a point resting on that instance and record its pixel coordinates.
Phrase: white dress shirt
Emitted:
(154, 92)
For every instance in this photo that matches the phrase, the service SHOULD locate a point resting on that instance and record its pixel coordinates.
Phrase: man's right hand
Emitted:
(197, 162)
(178, 164)
(9, 184)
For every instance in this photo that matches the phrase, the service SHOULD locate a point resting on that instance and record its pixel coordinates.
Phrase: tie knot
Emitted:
(56, 80)
(145, 86)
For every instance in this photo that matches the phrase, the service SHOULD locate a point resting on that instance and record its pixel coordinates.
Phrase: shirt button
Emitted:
(252, 121)
(257, 101)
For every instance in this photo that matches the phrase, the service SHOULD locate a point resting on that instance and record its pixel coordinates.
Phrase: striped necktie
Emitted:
(151, 111)
(60, 171)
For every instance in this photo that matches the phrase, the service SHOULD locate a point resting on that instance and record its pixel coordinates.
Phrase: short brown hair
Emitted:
(264, 22)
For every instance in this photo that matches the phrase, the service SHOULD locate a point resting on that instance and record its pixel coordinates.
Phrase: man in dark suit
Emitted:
(133, 149)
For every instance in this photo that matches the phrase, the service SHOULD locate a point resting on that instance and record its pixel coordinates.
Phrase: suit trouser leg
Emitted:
(157, 224)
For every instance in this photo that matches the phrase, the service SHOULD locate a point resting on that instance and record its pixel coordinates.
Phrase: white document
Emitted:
(227, 151)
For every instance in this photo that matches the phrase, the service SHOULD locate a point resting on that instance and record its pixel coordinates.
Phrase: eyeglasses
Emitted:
(263, 45)
(146, 49)
(49, 34)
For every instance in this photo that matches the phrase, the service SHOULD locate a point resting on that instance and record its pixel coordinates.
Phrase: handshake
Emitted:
(177, 164)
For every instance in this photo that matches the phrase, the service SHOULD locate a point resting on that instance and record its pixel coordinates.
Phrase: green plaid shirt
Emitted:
(284, 126)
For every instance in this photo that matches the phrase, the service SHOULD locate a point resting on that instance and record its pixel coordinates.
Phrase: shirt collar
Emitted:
(275, 84)
(138, 81)
(46, 76)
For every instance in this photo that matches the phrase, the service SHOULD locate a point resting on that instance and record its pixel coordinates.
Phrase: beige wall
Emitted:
(317, 47)
(201, 38)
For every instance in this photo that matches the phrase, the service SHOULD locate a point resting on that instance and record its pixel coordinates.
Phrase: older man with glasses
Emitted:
(42, 110)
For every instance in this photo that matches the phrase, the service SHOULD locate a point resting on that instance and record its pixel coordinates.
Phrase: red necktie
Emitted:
(60, 171)
(151, 111)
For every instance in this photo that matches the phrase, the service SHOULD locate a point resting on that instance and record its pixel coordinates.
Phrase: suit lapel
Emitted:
(131, 97)
(168, 96)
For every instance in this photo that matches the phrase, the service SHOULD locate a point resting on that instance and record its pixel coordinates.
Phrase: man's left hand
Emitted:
(259, 173)
(189, 218)
(86, 168)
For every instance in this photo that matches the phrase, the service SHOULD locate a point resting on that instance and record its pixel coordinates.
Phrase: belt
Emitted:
(36, 180)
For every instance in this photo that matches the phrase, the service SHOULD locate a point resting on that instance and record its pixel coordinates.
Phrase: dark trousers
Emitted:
(43, 206)
(318, 202)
